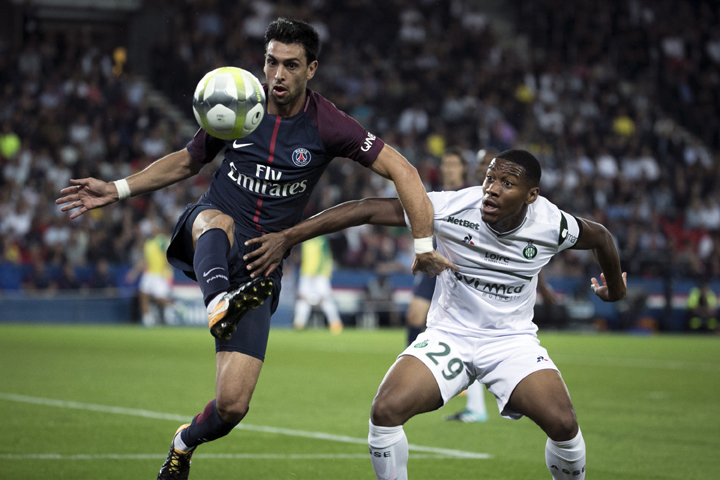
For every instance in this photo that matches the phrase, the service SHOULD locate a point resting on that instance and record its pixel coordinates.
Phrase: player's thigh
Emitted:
(503, 362)
(417, 311)
(432, 370)
(209, 219)
(543, 397)
(408, 389)
(236, 377)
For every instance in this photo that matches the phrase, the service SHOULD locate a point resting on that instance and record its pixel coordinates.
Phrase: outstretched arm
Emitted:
(411, 192)
(393, 166)
(597, 238)
(89, 193)
(374, 211)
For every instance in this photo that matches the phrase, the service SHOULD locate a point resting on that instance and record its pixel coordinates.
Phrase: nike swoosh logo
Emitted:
(208, 272)
(240, 145)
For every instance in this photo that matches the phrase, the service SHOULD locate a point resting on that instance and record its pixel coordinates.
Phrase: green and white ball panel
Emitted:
(254, 102)
(229, 103)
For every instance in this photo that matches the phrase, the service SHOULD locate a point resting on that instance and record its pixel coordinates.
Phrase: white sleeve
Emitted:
(570, 231)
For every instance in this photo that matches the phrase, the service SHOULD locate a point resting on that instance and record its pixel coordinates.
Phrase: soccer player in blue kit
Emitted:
(262, 186)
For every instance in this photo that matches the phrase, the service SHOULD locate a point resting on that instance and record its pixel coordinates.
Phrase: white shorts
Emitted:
(314, 289)
(155, 285)
(500, 363)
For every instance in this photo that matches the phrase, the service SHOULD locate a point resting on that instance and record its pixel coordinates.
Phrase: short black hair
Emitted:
(289, 32)
(526, 160)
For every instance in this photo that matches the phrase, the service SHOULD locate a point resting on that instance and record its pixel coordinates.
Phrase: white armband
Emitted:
(123, 189)
(423, 245)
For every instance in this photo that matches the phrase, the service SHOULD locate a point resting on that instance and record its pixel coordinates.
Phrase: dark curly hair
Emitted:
(289, 32)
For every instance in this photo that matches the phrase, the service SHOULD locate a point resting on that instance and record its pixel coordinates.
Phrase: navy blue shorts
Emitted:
(424, 286)
(253, 329)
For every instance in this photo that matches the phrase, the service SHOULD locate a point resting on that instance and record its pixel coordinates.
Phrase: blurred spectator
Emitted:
(602, 98)
(156, 276)
(379, 302)
(314, 288)
(68, 279)
(702, 308)
(102, 278)
(38, 278)
(9, 141)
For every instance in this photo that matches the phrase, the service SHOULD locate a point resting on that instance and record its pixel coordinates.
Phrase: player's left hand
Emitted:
(268, 256)
(431, 264)
(604, 292)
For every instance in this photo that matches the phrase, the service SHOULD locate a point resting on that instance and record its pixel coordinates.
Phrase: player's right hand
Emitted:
(604, 292)
(268, 255)
(86, 194)
(431, 264)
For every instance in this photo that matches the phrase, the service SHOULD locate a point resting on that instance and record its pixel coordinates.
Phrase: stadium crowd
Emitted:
(423, 76)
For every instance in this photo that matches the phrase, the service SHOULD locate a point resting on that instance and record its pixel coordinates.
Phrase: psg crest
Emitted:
(301, 157)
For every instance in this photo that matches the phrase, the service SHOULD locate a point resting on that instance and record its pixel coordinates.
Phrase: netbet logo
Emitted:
(462, 223)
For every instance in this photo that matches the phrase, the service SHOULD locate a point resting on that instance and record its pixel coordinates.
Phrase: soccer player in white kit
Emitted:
(498, 236)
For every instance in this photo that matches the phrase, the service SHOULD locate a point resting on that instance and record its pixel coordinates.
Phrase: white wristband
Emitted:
(123, 189)
(423, 245)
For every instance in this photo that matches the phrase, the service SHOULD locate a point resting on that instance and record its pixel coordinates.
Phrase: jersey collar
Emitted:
(505, 234)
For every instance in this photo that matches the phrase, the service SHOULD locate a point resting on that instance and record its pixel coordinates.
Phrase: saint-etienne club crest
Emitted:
(301, 157)
(530, 251)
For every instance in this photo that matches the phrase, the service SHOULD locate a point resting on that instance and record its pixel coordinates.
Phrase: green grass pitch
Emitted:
(103, 403)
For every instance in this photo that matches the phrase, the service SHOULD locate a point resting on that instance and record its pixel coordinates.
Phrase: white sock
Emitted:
(388, 452)
(566, 460)
(330, 310)
(476, 398)
(148, 320)
(213, 303)
(178, 443)
(302, 313)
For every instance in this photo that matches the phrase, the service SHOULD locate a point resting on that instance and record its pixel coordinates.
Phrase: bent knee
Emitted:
(223, 222)
(386, 412)
(212, 219)
(231, 411)
(563, 426)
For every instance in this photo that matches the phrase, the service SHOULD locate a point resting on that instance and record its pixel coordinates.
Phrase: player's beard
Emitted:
(289, 97)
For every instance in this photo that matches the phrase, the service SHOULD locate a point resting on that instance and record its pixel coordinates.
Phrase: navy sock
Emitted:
(206, 427)
(210, 263)
(412, 333)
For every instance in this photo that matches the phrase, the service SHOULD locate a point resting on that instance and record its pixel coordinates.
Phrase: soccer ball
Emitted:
(229, 103)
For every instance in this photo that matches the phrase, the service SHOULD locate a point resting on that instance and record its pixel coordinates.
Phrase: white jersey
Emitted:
(493, 293)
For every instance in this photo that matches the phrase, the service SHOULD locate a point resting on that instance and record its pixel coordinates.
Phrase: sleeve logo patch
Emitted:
(301, 157)
(368, 142)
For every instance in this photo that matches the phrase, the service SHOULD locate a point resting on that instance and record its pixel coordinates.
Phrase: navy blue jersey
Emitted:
(266, 178)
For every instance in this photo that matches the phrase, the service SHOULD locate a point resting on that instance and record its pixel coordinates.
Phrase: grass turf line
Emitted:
(649, 407)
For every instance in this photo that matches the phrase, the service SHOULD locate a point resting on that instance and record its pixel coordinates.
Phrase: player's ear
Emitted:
(532, 195)
(311, 69)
